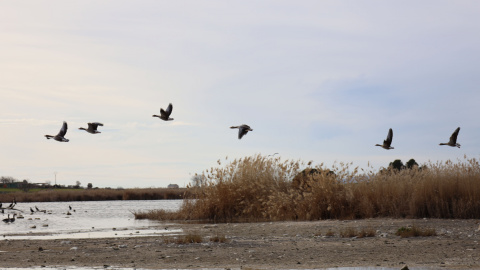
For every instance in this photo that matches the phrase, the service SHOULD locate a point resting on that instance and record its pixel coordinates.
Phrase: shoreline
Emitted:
(264, 245)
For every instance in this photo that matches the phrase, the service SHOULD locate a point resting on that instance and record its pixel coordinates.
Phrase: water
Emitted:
(98, 219)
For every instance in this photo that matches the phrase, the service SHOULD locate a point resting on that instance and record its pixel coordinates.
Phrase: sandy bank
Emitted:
(287, 245)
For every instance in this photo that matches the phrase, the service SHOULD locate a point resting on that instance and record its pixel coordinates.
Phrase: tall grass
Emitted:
(56, 195)
(259, 188)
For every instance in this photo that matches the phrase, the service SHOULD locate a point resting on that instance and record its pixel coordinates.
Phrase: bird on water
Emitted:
(388, 141)
(165, 114)
(242, 130)
(453, 139)
(61, 135)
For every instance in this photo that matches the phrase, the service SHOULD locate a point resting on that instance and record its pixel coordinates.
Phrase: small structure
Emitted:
(172, 186)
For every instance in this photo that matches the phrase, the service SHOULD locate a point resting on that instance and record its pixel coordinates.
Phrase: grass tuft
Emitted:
(414, 231)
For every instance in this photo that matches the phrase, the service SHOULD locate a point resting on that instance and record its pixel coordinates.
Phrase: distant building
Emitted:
(173, 186)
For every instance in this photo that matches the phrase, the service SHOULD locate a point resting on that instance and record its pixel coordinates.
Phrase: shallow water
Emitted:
(97, 219)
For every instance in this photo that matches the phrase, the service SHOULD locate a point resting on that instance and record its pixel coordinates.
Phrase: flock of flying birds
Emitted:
(164, 115)
(242, 130)
(452, 142)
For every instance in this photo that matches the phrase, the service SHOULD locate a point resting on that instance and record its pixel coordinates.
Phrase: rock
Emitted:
(40, 249)
(404, 268)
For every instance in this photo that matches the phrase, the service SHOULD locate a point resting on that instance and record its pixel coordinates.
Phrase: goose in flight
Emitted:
(165, 115)
(242, 130)
(92, 127)
(453, 139)
(61, 135)
(388, 141)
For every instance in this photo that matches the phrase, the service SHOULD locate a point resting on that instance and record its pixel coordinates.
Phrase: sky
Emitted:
(315, 80)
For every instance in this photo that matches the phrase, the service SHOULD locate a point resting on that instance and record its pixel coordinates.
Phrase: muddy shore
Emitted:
(266, 245)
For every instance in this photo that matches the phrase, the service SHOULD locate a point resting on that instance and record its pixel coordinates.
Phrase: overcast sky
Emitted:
(315, 80)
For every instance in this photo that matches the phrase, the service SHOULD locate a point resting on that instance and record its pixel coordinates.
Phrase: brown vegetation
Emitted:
(258, 188)
(57, 195)
(415, 231)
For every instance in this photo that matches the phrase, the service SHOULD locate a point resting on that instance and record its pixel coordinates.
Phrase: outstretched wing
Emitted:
(63, 130)
(453, 138)
(241, 131)
(389, 139)
(169, 109)
(94, 125)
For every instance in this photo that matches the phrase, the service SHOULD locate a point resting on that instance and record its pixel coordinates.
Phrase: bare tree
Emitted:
(7, 179)
(77, 184)
(197, 180)
(25, 185)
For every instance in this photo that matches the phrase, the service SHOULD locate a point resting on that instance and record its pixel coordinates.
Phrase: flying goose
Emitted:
(453, 139)
(165, 115)
(60, 136)
(388, 141)
(92, 127)
(242, 130)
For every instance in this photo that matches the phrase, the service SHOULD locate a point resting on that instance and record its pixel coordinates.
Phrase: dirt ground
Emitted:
(270, 245)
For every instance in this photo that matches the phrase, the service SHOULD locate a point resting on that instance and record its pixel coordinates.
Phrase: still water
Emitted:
(86, 219)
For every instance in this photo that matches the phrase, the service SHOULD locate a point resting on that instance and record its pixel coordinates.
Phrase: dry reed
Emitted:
(58, 195)
(259, 188)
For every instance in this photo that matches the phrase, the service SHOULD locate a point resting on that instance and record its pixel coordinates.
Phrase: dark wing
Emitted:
(388, 141)
(242, 131)
(163, 113)
(94, 125)
(169, 109)
(453, 138)
(63, 130)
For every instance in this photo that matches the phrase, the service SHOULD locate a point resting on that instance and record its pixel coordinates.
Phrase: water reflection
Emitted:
(86, 219)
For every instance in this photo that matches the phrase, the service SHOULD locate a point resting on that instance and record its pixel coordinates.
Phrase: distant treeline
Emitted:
(61, 195)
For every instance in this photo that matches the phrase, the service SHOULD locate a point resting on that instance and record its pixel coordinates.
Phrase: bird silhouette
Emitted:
(453, 139)
(388, 141)
(61, 134)
(165, 114)
(242, 130)
(92, 127)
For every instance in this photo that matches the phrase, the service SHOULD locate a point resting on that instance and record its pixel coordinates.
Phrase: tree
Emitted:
(7, 179)
(77, 184)
(197, 180)
(89, 186)
(25, 186)
(411, 164)
(397, 164)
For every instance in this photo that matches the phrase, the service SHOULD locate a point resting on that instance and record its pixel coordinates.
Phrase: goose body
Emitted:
(92, 127)
(453, 139)
(6, 220)
(388, 141)
(165, 114)
(61, 134)
(242, 130)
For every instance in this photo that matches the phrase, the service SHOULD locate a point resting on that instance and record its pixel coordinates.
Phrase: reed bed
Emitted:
(59, 195)
(259, 188)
